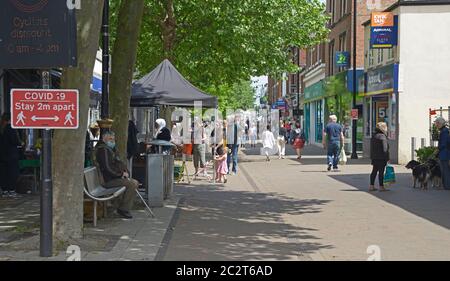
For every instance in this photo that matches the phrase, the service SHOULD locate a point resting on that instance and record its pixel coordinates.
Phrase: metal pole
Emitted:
(354, 122)
(422, 142)
(413, 148)
(46, 215)
(105, 62)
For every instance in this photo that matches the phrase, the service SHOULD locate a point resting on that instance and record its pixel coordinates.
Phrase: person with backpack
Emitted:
(444, 151)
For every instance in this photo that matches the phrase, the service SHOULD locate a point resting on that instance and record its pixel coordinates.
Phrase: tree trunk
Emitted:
(123, 63)
(168, 28)
(68, 145)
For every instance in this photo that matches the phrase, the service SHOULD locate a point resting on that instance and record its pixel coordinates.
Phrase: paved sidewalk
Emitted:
(113, 238)
(284, 210)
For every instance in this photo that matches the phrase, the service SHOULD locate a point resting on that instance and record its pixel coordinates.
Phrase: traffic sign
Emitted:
(44, 109)
(354, 114)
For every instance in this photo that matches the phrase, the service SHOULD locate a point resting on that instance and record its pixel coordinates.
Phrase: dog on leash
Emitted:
(420, 173)
(435, 173)
(424, 173)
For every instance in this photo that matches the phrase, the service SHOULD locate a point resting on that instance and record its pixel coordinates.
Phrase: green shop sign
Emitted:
(315, 91)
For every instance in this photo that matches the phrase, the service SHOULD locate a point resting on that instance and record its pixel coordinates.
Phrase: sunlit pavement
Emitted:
(284, 210)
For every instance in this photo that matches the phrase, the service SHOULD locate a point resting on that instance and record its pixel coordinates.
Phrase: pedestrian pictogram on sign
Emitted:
(44, 109)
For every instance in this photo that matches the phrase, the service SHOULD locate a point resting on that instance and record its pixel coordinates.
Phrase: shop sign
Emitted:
(314, 91)
(381, 79)
(342, 59)
(37, 34)
(383, 31)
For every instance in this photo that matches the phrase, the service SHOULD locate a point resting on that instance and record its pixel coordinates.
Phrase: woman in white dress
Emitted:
(268, 141)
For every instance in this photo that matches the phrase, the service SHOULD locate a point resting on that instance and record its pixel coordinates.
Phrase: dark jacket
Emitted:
(132, 143)
(111, 167)
(283, 133)
(9, 144)
(164, 135)
(379, 146)
(444, 141)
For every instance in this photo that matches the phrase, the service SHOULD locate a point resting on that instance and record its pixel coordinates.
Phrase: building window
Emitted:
(371, 57)
(342, 46)
(318, 53)
(333, 11)
(331, 58)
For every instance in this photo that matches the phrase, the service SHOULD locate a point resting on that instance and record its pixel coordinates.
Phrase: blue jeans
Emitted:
(445, 173)
(333, 154)
(233, 155)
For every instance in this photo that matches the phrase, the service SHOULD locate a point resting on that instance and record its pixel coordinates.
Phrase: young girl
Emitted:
(221, 163)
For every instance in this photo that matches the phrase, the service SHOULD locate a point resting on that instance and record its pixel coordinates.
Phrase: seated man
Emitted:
(115, 172)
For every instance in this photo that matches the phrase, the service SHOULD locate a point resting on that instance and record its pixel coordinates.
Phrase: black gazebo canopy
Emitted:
(166, 86)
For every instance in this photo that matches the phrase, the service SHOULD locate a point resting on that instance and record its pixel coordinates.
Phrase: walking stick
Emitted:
(145, 203)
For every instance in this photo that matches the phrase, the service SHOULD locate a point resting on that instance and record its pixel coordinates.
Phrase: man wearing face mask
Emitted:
(115, 172)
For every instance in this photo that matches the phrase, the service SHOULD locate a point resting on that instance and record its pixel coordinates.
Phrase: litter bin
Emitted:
(159, 175)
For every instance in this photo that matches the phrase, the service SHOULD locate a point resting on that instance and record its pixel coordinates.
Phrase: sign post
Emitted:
(41, 34)
(46, 237)
(45, 109)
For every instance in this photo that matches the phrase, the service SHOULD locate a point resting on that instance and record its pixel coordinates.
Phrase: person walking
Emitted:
(199, 148)
(221, 164)
(281, 141)
(333, 140)
(299, 140)
(268, 141)
(379, 154)
(289, 129)
(9, 156)
(252, 135)
(233, 142)
(444, 151)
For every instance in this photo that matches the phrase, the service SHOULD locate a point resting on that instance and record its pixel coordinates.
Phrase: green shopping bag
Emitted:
(389, 175)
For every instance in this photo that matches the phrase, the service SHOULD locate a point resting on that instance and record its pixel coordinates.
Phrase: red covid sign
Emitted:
(44, 109)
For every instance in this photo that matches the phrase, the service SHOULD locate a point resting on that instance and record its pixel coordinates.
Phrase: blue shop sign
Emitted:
(342, 59)
(381, 80)
(384, 37)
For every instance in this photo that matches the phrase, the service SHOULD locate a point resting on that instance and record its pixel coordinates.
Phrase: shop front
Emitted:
(380, 105)
(315, 100)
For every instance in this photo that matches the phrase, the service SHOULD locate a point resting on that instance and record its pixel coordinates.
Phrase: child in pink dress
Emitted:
(221, 164)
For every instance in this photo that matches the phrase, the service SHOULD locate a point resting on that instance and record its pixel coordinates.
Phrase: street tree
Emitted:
(69, 145)
(129, 16)
(218, 43)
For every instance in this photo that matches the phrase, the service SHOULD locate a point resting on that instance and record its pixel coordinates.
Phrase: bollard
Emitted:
(413, 148)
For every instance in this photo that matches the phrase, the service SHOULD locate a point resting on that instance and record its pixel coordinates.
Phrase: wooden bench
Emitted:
(96, 192)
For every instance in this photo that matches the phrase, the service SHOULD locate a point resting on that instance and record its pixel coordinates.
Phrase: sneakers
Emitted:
(329, 167)
(124, 214)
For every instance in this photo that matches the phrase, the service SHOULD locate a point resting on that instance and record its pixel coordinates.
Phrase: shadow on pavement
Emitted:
(432, 205)
(218, 224)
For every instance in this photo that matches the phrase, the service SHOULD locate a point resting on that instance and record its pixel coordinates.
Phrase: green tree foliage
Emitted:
(340, 99)
(220, 42)
(239, 95)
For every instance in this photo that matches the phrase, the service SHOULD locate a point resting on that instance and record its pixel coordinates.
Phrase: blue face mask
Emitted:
(111, 144)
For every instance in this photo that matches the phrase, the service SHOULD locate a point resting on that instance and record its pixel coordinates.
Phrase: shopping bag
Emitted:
(342, 157)
(389, 175)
